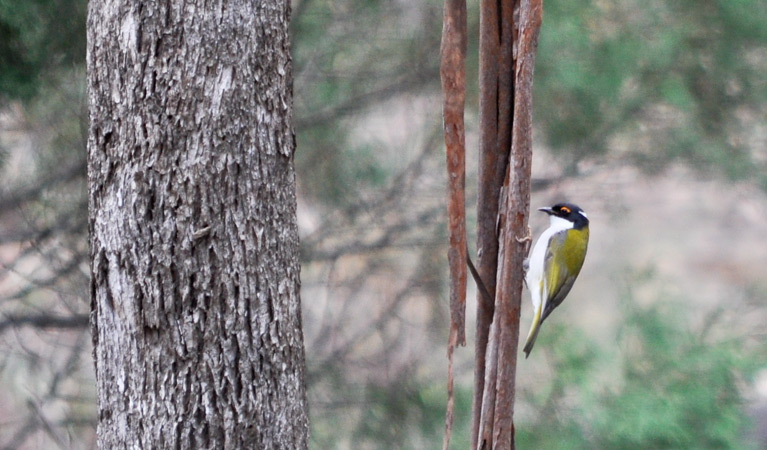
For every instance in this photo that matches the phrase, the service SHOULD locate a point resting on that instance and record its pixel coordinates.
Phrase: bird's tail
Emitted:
(533, 334)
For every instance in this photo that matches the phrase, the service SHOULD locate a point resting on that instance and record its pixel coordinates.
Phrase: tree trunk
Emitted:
(194, 246)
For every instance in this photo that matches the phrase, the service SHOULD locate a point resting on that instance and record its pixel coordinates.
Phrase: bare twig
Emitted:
(44, 321)
(47, 426)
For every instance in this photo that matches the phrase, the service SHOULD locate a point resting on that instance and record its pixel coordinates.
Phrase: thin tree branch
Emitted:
(44, 321)
(334, 113)
(47, 426)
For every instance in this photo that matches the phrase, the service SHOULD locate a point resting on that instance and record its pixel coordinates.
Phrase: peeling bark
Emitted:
(453, 77)
(508, 43)
(194, 245)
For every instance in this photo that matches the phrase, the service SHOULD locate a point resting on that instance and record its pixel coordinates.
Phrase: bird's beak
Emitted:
(546, 209)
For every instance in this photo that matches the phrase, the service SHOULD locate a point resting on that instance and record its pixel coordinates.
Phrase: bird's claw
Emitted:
(527, 238)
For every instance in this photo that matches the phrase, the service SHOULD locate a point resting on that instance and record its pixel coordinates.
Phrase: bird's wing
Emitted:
(558, 276)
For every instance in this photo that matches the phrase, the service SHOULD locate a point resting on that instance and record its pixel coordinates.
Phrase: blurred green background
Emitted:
(651, 115)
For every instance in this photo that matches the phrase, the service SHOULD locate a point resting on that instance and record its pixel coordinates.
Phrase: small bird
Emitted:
(555, 262)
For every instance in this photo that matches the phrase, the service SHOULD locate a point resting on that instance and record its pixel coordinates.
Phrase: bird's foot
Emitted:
(527, 238)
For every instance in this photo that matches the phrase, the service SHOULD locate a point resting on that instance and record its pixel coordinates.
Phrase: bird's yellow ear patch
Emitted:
(565, 210)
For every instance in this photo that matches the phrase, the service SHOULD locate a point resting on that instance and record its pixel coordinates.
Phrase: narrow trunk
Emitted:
(194, 246)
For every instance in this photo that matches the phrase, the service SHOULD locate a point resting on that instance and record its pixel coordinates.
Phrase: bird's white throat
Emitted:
(557, 224)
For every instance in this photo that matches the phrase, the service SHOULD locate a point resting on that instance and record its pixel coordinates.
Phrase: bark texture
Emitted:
(453, 77)
(194, 245)
(508, 44)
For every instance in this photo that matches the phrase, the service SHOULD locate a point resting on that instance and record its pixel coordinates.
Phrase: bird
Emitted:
(555, 262)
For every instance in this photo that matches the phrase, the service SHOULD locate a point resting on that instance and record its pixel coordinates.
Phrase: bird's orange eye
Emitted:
(565, 209)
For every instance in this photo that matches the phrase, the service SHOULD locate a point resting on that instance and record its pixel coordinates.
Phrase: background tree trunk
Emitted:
(194, 246)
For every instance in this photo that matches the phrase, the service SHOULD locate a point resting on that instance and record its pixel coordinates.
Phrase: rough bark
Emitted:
(508, 43)
(194, 246)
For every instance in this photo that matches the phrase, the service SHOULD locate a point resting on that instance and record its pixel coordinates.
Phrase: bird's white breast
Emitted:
(538, 258)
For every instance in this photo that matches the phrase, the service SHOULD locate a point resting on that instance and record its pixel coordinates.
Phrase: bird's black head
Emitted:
(568, 211)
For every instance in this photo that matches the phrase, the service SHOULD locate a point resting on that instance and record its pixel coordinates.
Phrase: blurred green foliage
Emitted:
(684, 76)
(661, 383)
(663, 386)
(38, 37)
(681, 387)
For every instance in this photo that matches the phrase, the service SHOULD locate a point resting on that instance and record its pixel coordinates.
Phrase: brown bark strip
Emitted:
(514, 231)
(496, 117)
(450, 414)
(508, 41)
(453, 75)
(491, 169)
